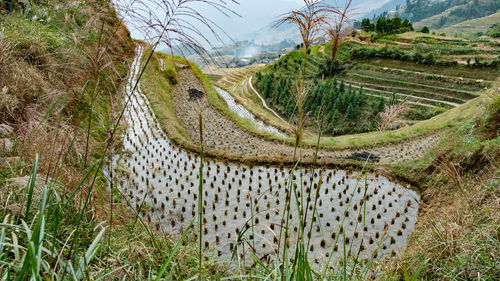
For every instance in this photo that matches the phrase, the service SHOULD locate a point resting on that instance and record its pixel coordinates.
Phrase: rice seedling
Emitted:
(288, 222)
(254, 228)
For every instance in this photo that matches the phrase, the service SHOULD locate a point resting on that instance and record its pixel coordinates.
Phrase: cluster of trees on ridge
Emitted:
(344, 110)
(385, 25)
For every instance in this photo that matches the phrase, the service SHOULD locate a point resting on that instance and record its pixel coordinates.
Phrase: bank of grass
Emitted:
(437, 124)
(63, 66)
(456, 237)
(158, 88)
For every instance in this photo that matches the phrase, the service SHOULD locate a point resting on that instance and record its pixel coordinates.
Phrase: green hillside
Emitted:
(477, 27)
(431, 73)
(441, 14)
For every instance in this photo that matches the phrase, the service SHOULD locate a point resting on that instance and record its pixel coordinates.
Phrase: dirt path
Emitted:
(262, 99)
(222, 134)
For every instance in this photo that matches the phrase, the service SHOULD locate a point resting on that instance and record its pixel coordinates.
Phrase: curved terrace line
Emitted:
(161, 180)
(244, 113)
(263, 101)
(406, 95)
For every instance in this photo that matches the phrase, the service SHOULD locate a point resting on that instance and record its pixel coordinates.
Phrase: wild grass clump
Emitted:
(457, 233)
(171, 75)
(62, 66)
(36, 235)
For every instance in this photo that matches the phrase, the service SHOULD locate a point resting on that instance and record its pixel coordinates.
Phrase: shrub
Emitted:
(329, 68)
(425, 29)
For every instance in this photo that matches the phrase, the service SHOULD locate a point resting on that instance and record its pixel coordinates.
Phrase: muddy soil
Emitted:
(221, 133)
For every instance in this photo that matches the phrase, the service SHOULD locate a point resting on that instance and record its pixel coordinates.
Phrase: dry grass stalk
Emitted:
(336, 29)
(176, 23)
(391, 113)
(450, 169)
(309, 20)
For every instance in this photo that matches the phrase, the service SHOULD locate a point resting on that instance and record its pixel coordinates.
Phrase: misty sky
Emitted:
(254, 15)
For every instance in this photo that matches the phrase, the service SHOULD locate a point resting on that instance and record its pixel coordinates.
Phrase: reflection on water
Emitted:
(244, 113)
(161, 180)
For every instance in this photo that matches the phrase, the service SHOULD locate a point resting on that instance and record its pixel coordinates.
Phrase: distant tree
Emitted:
(407, 25)
(258, 76)
(380, 107)
(382, 25)
(350, 112)
(335, 117)
(395, 24)
(367, 26)
(267, 85)
(425, 29)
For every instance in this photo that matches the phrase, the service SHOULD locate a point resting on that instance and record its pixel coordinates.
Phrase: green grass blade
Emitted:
(2, 235)
(420, 268)
(89, 255)
(31, 187)
(174, 250)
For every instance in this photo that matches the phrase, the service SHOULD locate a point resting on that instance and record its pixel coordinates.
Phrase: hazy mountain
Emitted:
(360, 8)
(389, 6)
(253, 19)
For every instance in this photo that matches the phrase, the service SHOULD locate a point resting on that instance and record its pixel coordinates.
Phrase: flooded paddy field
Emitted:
(245, 208)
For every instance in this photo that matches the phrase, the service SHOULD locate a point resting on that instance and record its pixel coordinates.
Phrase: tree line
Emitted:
(385, 25)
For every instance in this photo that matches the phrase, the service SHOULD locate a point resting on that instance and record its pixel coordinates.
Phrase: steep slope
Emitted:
(472, 27)
(360, 8)
(70, 62)
(441, 14)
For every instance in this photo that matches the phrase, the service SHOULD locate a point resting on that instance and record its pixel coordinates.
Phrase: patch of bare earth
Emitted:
(221, 133)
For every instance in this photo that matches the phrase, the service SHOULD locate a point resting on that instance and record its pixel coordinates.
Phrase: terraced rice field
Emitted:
(422, 86)
(443, 48)
(238, 83)
(243, 206)
(429, 90)
(244, 113)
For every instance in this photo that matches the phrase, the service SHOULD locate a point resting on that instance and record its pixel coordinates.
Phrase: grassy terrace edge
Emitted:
(255, 105)
(158, 90)
(424, 128)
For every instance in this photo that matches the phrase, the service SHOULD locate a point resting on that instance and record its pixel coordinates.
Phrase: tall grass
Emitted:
(41, 255)
(29, 250)
(39, 251)
(200, 202)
